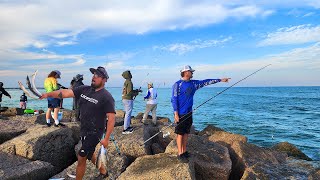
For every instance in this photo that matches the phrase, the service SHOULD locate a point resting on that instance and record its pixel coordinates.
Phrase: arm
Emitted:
(174, 101)
(6, 93)
(147, 96)
(201, 83)
(63, 93)
(111, 122)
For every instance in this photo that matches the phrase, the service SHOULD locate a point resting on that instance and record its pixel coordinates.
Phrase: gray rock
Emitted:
(16, 167)
(12, 128)
(211, 160)
(53, 145)
(160, 166)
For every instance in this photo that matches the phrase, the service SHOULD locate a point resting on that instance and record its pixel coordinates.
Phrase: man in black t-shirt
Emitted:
(96, 104)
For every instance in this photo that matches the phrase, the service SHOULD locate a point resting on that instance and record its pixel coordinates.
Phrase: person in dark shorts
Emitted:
(23, 101)
(96, 105)
(50, 85)
(182, 101)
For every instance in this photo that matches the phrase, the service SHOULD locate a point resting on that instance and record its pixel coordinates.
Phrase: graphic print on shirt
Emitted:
(89, 99)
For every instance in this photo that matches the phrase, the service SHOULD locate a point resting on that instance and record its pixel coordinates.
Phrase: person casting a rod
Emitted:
(182, 101)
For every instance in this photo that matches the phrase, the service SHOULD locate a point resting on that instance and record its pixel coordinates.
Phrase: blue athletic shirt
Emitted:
(183, 92)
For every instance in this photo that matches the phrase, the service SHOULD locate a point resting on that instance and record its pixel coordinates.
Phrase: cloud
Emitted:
(292, 35)
(182, 48)
(26, 22)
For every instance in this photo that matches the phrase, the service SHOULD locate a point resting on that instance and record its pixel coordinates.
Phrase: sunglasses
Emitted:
(97, 75)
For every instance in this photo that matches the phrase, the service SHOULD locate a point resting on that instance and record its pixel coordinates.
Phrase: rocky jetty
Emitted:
(31, 150)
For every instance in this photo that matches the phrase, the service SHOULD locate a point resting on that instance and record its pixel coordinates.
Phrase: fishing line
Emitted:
(186, 116)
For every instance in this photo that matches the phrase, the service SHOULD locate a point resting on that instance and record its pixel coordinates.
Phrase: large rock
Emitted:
(247, 155)
(291, 150)
(16, 167)
(12, 128)
(68, 115)
(210, 130)
(132, 145)
(116, 161)
(53, 145)
(226, 139)
(211, 160)
(9, 111)
(291, 169)
(160, 166)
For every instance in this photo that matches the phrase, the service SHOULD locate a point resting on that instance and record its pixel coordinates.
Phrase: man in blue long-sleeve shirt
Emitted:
(182, 101)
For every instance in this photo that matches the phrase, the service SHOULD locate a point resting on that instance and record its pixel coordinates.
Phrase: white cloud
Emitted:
(182, 48)
(292, 35)
(26, 22)
(300, 66)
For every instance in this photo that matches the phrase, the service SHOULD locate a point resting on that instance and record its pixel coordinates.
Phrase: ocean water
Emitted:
(266, 115)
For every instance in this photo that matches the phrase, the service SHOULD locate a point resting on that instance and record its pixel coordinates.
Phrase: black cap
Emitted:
(101, 71)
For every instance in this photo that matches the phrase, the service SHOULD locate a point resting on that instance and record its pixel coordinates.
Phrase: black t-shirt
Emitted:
(94, 107)
(23, 98)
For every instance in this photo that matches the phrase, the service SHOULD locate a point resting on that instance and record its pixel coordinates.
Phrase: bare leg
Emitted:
(81, 167)
(184, 143)
(55, 113)
(179, 143)
(48, 113)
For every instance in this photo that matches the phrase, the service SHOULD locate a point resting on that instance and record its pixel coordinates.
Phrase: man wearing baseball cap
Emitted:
(96, 105)
(182, 101)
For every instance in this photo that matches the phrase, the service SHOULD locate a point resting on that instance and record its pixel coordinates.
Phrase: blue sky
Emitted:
(154, 39)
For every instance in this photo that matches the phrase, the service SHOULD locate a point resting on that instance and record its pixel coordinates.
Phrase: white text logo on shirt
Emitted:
(89, 99)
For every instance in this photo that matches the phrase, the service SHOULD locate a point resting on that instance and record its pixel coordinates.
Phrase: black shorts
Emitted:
(89, 144)
(184, 124)
(53, 102)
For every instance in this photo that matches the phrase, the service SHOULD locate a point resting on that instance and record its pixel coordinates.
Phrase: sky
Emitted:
(154, 39)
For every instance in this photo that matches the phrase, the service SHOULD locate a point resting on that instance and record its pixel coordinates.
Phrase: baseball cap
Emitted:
(78, 77)
(150, 83)
(101, 71)
(58, 73)
(187, 68)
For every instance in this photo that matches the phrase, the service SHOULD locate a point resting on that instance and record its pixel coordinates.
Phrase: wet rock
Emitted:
(160, 166)
(291, 150)
(16, 167)
(119, 121)
(211, 160)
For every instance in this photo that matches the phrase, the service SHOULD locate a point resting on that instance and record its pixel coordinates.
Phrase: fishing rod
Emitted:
(139, 90)
(186, 116)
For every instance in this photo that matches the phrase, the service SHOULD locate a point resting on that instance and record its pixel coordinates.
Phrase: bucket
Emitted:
(60, 113)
